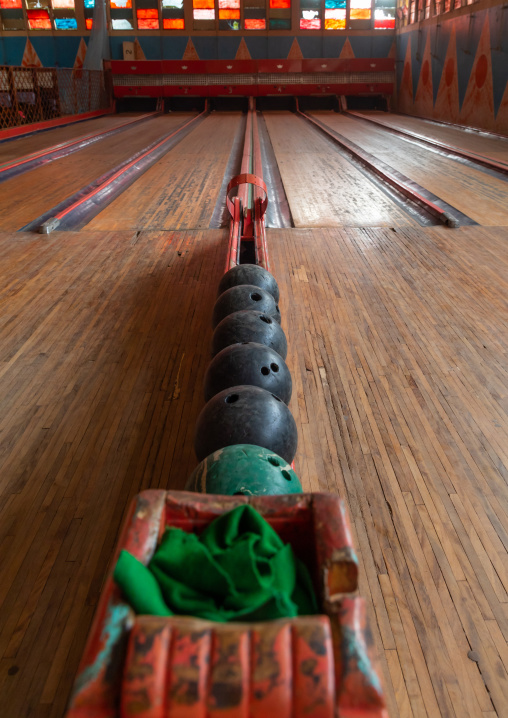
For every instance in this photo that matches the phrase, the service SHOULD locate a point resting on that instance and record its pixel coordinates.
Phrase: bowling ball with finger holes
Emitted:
(248, 326)
(250, 274)
(246, 415)
(243, 297)
(248, 363)
(246, 470)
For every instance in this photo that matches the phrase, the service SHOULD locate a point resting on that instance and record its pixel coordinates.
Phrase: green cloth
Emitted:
(237, 570)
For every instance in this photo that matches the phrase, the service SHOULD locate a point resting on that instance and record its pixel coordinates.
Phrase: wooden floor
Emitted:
(480, 142)
(398, 346)
(41, 140)
(49, 184)
(478, 195)
(323, 188)
(180, 191)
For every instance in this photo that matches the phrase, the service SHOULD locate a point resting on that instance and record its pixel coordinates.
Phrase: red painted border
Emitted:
(49, 124)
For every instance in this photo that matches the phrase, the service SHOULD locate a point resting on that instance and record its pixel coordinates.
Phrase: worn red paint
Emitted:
(186, 668)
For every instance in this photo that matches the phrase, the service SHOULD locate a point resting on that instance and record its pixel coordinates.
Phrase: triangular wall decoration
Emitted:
(424, 98)
(30, 57)
(392, 55)
(138, 50)
(405, 94)
(295, 52)
(447, 100)
(478, 106)
(347, 51)
(243, 51)
(190, 51)
(80, 55)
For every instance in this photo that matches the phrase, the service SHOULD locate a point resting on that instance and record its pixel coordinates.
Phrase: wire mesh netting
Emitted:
(37, 94)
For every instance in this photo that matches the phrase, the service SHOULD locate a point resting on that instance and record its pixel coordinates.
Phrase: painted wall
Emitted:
(61, 51)
(456, 69)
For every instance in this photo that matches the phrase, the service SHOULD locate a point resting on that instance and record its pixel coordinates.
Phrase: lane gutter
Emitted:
(79, 209)
(16, 167)
(417, 195)
(449, 150)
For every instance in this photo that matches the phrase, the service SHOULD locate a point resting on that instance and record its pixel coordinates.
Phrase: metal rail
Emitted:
(449, 150)
(247, 209)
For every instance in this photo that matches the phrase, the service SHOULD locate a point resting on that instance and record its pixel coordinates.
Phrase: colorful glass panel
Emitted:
(335, 4)
(148, 19)
(10, 4)
(150, 24)
(310, 24)
(278, 24)
(229, 4)
(89, 4)
(335, 19)
(254, 24)
(121, 24)
(63, 4)
(121, 4)
(66, 23)
(360, 10)
(204, 14)
(203, 4)
(88, 23)
(280, 4)
(173, 23)
(38, 20)
(384, 24)
(172, 3)
(229, 14)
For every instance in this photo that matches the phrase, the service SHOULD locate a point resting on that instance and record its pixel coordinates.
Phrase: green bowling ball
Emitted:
(244, 469)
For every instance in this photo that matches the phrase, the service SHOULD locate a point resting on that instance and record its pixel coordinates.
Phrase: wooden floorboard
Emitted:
(323, 188)
(398, 346)
(41, 140)
(477, 194)
(24, 198)
(481, 142)
(180, 191)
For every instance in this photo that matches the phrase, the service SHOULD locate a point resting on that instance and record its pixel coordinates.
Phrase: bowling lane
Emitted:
(35, 143)
(179, 191)
(322, 187)
(473, 192)
(24, 198)
(494, 147)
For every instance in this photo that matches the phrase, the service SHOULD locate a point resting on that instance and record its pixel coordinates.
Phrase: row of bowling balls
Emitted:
(245, 436)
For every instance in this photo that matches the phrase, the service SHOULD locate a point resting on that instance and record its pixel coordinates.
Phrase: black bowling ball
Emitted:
(246, 415)
(241, 298)
(248, 326)
(276, 314)
(250, 274)
(252, 364)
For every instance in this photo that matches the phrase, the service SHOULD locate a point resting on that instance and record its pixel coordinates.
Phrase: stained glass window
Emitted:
(120, 4)
(89, 4)
(203, 12)
(148, 18)
(173, 15)
(10, 4)
(229, 14)
(88, 23)
(384, 14)
(38, 20)
(200, 14)
(63, 4)
(121, 24)
(360, 10)
(335, 19)
(66, 23)
(310, 14)
(253, 24)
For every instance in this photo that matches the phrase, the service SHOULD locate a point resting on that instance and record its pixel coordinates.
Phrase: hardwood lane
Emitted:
(322, 187)
(397, 346)
(478, 195)
(26, 145)
(180, 191)
(495, 147)
(24, 198)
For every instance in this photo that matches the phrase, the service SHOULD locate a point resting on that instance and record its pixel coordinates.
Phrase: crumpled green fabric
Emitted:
(237, 570)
